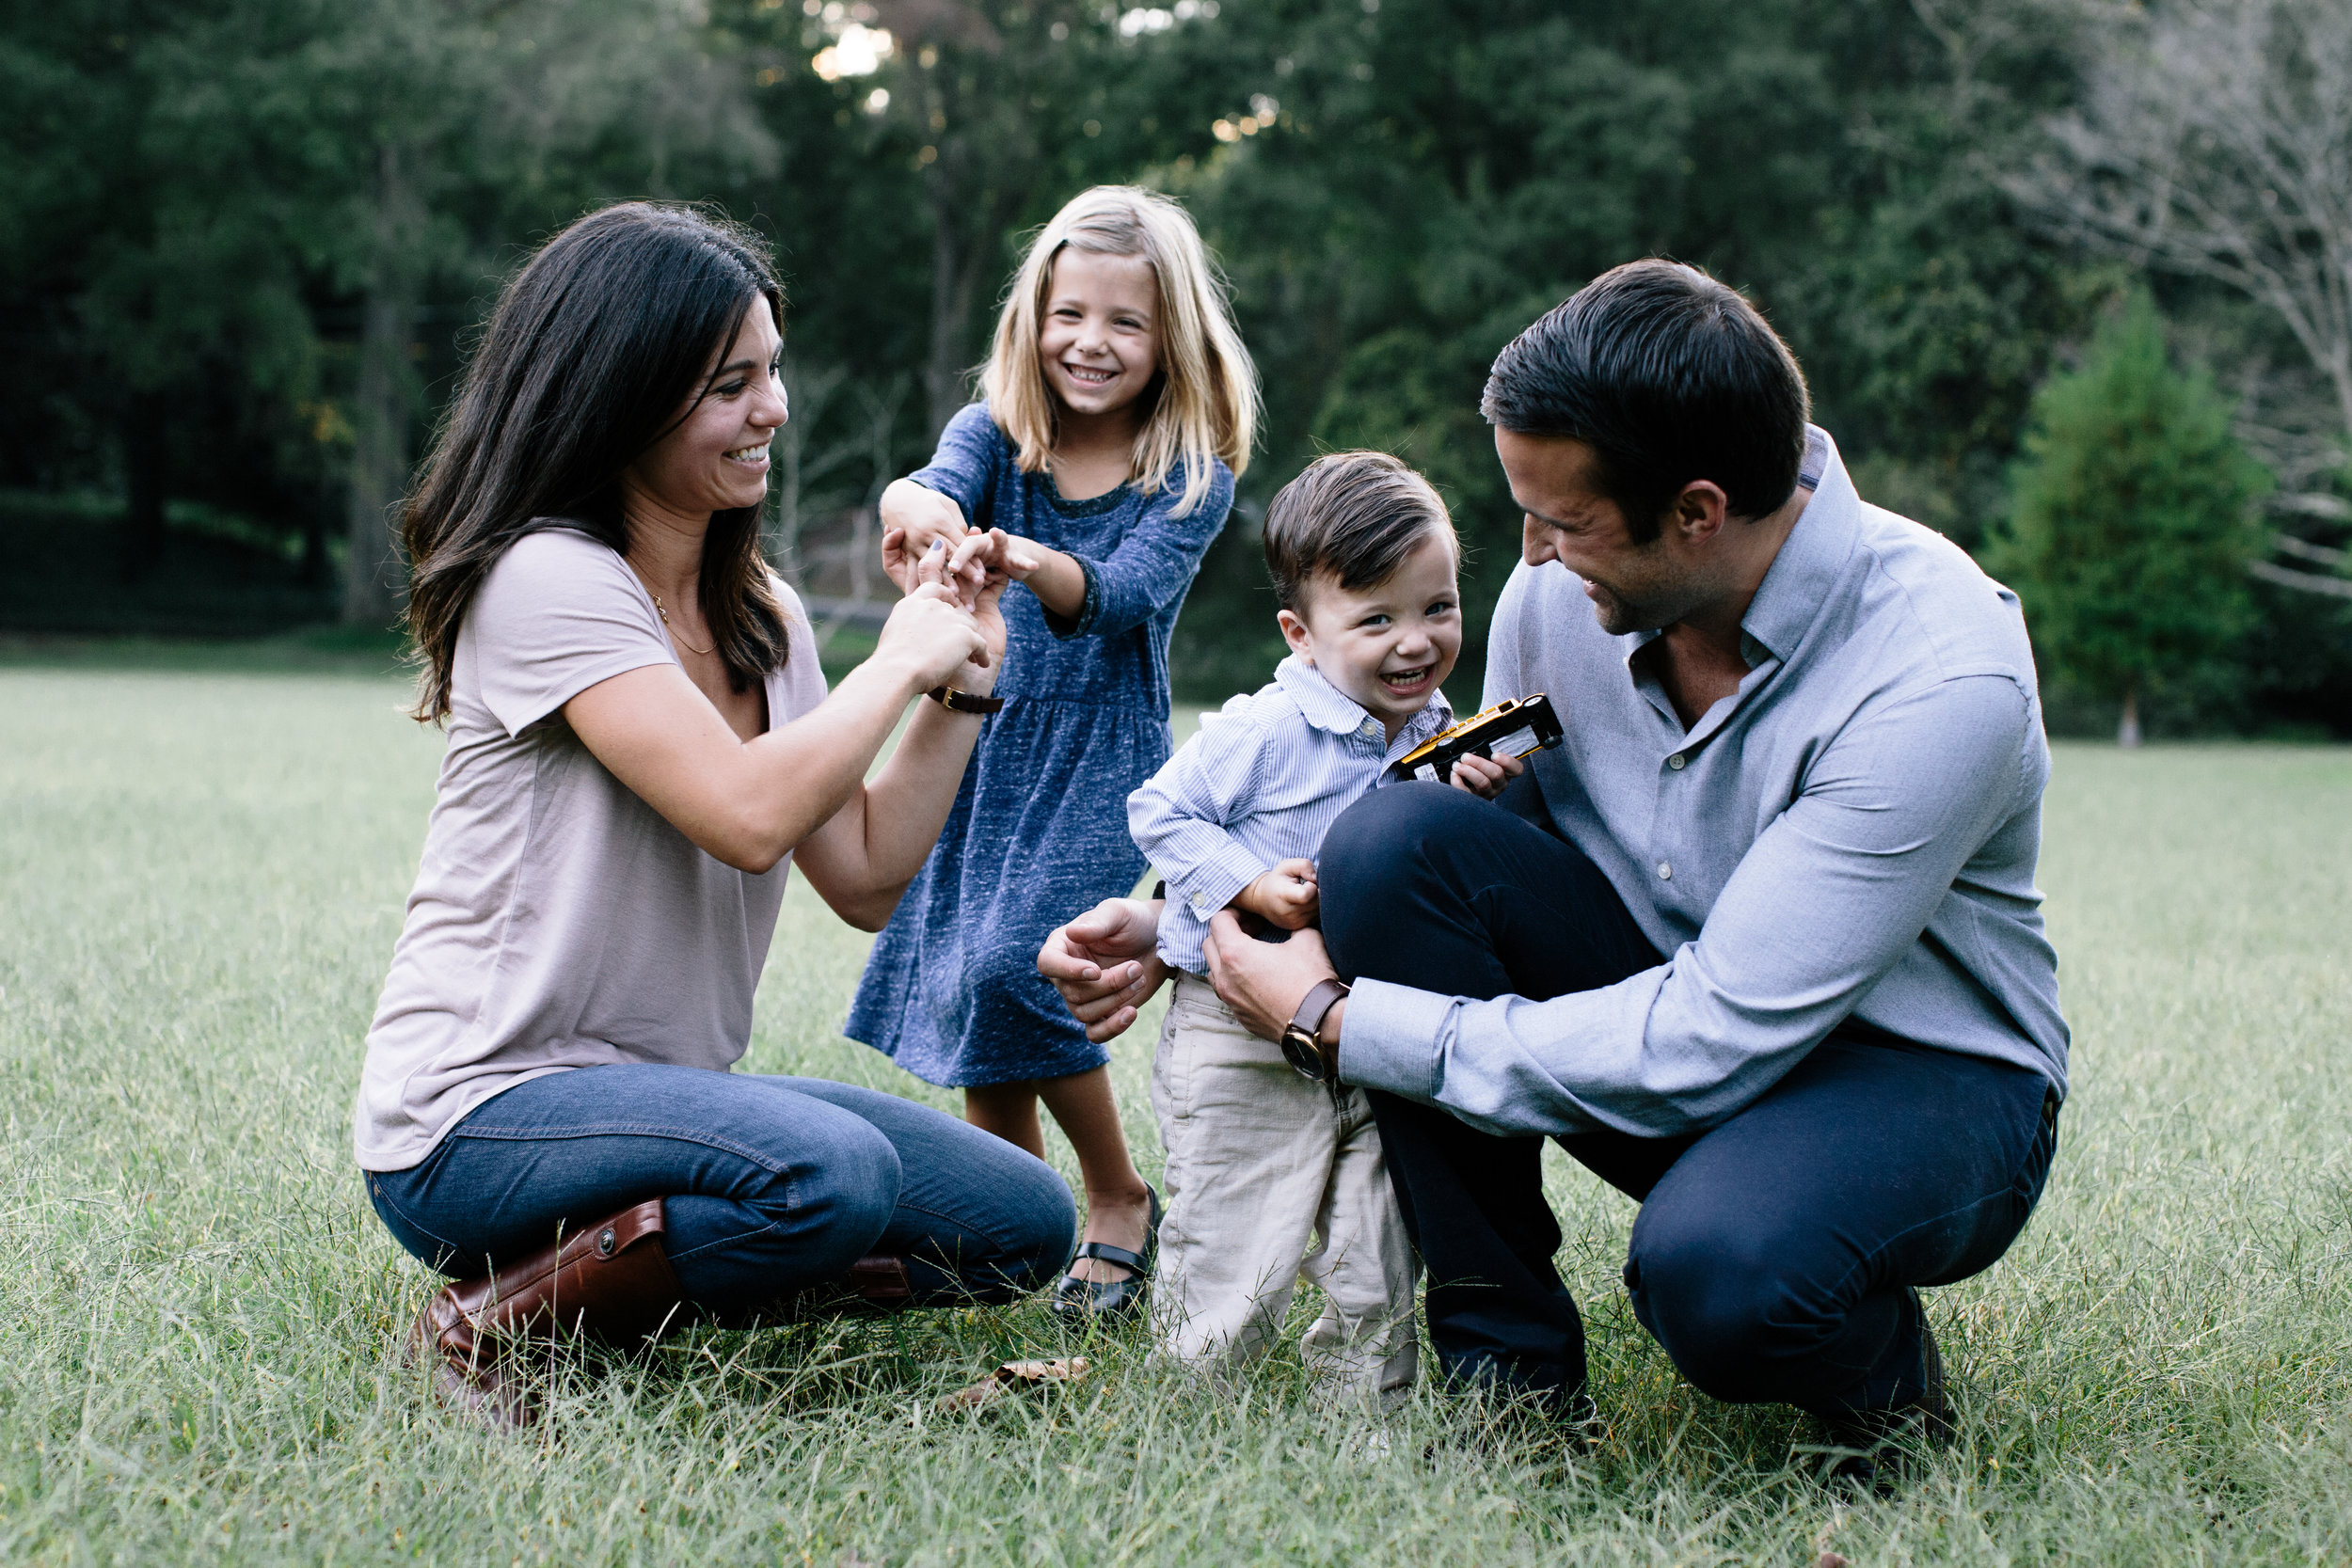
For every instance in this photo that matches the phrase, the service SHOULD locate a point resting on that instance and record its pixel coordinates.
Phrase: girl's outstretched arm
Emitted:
(1152, 568)
(949, 495)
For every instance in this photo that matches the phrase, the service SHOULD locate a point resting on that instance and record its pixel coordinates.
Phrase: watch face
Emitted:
(1298, 1049)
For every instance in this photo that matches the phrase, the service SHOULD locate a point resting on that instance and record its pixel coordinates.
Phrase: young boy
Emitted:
(1261, 1163)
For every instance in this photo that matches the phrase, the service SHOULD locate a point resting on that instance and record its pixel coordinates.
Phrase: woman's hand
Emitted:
(1486, 777)
(1106, 964)
(934, 633)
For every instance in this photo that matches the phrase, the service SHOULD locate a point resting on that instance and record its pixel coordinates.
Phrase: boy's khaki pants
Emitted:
(1260, 1162)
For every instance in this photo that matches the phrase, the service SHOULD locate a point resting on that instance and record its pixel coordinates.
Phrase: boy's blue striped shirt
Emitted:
(1262, 783)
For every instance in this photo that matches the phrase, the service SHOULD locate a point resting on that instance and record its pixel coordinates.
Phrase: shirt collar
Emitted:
(1799, 581)
(1328, 708)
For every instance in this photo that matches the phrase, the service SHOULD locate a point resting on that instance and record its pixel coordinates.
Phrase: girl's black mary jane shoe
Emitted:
(1084, 1299)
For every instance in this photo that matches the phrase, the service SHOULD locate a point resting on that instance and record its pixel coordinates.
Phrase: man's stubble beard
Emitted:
(1619, 618)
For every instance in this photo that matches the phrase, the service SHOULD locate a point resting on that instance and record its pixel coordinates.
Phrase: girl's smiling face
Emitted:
(1100, 343)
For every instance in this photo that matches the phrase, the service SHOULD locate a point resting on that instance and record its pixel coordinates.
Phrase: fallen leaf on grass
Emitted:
(1016, 1374)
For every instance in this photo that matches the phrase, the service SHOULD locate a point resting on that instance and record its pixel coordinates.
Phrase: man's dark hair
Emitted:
(1670, 377)
(1353, 514)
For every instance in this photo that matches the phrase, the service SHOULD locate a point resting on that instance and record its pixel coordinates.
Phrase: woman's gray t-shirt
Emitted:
(558, 920)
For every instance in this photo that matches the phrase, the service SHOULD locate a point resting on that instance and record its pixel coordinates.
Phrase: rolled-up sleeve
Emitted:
(1178, 819)
(1154, 565)
(1825, 902)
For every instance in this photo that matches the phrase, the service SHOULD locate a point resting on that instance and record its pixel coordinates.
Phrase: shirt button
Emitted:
(1665, 871)
(1676, 762)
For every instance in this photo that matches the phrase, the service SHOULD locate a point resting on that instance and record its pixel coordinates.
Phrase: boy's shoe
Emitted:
(1868, 1449)
(1084, 1300)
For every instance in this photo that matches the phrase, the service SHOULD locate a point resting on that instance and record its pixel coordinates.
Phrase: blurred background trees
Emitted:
(242, 244)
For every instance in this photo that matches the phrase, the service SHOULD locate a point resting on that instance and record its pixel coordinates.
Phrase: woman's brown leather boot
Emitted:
(610, 1282)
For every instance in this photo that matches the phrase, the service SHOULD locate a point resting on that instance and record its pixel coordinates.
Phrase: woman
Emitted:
(640, 744)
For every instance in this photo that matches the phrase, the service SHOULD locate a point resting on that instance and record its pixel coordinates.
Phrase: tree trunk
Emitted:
(2128, 732)
(143, 471)
(379, 451)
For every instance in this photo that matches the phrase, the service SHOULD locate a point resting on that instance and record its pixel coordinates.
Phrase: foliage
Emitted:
(2132, 520)
(242, 242)
(201, 874)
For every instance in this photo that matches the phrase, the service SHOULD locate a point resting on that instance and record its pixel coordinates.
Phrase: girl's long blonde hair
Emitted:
(1204, 400)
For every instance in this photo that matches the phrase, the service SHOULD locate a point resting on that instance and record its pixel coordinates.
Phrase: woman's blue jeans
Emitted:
(770, 1185)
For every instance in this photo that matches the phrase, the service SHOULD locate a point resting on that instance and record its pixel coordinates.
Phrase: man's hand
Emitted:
(1486, 776)
(1105, 965)
(1264, 982)
(1285, 897)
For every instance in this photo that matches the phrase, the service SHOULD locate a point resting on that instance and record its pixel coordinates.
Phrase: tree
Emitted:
(2132, 520)
(2214, 139)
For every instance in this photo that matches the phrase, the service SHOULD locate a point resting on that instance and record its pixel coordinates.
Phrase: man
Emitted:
(1759, 944)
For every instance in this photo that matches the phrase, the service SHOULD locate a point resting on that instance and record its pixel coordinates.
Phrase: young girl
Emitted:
(1118, 404)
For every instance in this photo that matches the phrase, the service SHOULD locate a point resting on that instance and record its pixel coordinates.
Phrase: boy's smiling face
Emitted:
(1390, 645)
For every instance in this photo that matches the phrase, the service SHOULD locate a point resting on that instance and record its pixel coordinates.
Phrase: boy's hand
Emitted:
(1486, 776)
(1284, 896)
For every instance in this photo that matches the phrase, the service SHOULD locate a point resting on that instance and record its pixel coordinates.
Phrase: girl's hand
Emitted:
(1285, 897)
(1020, 555)
(921, 516)
(932, 636)
(1485, 777)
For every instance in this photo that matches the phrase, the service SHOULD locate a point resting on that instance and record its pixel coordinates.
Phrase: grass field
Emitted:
(201, 879)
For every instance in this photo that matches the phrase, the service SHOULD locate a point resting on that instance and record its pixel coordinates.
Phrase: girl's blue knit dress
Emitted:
(1039, 833)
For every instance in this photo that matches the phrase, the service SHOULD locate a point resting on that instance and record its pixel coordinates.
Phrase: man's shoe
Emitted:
(1867, 1450)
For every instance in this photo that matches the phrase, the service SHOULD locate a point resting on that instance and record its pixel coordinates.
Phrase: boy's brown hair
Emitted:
(1353, 514)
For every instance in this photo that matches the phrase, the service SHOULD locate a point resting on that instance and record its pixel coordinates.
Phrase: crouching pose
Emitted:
(640, 742)
(1759, 944)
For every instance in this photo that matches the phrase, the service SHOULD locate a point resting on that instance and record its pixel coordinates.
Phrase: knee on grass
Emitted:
(1737, 1326)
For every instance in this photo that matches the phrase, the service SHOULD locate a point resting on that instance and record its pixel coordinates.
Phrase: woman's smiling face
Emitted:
(1100, 340)
(717, 459)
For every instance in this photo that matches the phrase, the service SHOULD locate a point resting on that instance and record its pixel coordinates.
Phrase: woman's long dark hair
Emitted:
(592, 347)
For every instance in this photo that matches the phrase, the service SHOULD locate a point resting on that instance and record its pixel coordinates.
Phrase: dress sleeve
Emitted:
(963, 466)
(558, 613)
(1153, 566)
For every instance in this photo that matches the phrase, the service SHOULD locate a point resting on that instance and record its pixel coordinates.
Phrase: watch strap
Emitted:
(963, 702)
(1313, 1008)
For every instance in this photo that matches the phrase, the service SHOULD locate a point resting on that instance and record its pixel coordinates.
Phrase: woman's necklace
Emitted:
(663, 611)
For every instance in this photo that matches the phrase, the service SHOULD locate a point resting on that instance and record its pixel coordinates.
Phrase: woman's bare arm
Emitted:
(750, 802)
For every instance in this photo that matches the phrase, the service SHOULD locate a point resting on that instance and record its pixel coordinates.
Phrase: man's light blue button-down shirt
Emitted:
(1851, 834)
(1261, 784)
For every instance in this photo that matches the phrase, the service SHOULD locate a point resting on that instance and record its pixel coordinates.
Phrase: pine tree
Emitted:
(2131, 519)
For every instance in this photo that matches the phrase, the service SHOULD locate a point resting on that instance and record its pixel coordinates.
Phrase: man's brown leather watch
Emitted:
(1303, 1045)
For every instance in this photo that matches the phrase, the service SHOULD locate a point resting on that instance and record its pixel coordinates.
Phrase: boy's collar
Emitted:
(1328, 708)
